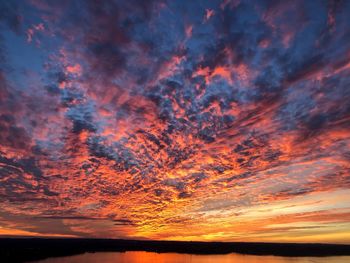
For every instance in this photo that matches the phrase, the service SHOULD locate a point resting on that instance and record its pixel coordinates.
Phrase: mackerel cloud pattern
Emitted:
(183, 120)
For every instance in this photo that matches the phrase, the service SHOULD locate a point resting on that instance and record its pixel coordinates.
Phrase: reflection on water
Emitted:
(150, 257)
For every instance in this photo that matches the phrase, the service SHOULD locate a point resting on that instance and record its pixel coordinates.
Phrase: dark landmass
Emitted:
(28, 249)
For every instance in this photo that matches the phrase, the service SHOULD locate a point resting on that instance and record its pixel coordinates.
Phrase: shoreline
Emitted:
(29, 248)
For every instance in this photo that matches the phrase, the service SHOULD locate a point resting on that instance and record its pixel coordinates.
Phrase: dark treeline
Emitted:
(27, 249)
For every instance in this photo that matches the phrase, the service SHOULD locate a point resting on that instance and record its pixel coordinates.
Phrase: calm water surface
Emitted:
(150, 257)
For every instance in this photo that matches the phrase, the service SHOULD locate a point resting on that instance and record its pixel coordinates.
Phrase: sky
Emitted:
(175, 120)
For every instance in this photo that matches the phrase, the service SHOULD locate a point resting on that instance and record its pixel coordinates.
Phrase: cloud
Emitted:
(139, 119)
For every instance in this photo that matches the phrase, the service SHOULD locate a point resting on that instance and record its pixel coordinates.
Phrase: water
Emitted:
(151, 257)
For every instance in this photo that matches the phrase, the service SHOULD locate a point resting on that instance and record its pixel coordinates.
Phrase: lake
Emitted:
(151, 257)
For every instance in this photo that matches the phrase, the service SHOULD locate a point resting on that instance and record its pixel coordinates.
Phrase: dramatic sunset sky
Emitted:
(175, 120)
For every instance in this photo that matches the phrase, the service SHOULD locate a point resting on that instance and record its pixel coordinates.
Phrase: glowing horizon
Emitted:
(175, 120)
